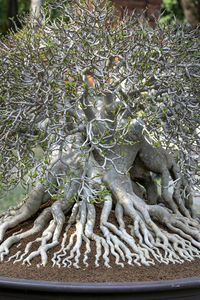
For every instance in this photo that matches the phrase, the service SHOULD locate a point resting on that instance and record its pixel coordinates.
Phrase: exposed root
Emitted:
(42, 250)
(111, 240)
(53, 231)
(38, 226)
(75, 251)
(176, 224)
(148, 234)
(62, 251)
(100, 241)
(142, 243)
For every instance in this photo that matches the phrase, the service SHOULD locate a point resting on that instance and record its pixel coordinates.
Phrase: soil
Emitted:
(92, 273)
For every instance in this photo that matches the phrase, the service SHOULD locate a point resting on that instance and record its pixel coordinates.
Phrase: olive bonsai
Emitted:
(112, 104)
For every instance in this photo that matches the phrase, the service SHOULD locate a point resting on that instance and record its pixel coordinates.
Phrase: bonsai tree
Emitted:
(113, 106)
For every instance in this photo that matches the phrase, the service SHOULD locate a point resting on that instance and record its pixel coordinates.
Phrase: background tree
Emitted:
(10, 9)
(191, 11)
(171, 8)
(35, 7)
(181, 9)
(109, 106)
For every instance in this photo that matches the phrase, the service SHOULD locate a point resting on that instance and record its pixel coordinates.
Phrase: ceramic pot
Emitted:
(19, 289)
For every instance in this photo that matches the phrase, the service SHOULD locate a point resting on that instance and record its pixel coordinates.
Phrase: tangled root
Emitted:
(142, 243)
(159, 231)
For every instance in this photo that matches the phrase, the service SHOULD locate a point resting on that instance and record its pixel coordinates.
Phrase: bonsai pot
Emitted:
(13, 288)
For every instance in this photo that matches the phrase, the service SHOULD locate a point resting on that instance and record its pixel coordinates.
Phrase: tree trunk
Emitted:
(12, 11)
(191, 11)
(151, 8)
(35, 8)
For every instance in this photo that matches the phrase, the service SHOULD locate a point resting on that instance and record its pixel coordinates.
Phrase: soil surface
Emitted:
(92, 273)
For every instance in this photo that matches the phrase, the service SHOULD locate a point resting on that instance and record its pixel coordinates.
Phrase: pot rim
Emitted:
(91, 287)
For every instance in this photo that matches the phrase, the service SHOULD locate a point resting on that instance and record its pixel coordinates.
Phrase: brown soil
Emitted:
(92, 273)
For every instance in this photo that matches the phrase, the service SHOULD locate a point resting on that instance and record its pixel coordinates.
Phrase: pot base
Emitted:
(186, 288)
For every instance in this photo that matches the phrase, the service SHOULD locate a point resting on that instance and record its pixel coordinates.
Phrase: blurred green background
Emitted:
(12, 198)
(15, 196)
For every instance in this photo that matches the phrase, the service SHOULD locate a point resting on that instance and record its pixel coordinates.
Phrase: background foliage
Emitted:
(169, 9)
(23, 6)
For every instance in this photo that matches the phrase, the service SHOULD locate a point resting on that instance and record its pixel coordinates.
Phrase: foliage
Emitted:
(169, 9)
(173, 9)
